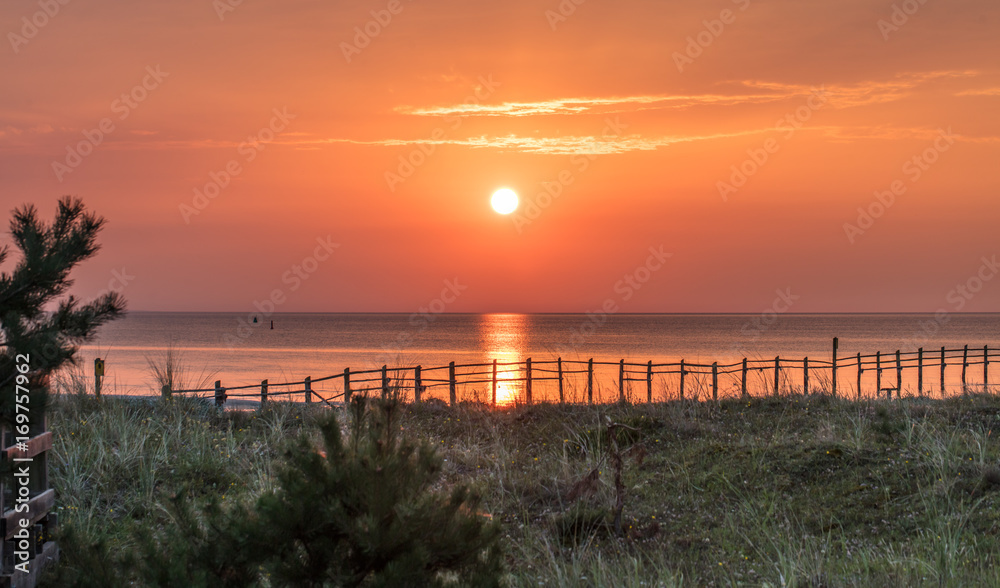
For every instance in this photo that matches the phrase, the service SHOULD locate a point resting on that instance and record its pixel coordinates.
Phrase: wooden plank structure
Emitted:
(27, 547)
(525, 381)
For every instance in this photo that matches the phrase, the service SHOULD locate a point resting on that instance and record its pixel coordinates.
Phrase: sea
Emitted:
(240, 349)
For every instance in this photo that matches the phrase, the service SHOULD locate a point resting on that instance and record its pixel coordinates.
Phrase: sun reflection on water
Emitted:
(503, 337)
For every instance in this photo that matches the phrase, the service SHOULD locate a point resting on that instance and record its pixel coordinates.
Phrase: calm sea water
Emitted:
(231, 348)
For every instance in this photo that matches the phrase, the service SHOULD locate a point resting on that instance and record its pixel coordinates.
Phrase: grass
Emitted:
(788, 491)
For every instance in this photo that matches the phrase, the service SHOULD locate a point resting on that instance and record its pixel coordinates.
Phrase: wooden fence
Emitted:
(28, 522)
(527, 375)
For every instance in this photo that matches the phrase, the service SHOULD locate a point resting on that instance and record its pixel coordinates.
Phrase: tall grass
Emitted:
(171, 370)
(786, 491)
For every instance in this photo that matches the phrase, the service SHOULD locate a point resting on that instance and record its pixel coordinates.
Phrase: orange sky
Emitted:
(615, 106)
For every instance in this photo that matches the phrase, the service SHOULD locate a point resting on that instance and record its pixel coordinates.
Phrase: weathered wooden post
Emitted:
(986, 368)
(777, 374)
(899, 377)
(805, 376)
(494, 382)
(590, 381)
(715, 380)
(385, 382)
(29, 520)
(527, 389)
(836, 345)
(743, 383)
(418, 385)
(920, 371)
(98, 375)
(860, 370)
(165, 391)
(942, 370)
(308, 390)
(649, 381)
(263, 393)
(621, 380)
(561, 397)
(451, 383)
(965, 366)
(220, 393)
(682, 379)
(347, 385)
(878, 373)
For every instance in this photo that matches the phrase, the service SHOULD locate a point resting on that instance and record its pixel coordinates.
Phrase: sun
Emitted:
(504, 201)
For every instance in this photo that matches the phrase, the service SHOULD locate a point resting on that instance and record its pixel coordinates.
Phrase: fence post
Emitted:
(942, 370)
(860, 370)
(220, 393)
(805, 376)
(561, 398)
(418, 385)
(98, 375)
(715, 380)
(986, 368)
(836, 344)
(743, 384)
(965, 365)
(494, 382)
(621, 380)
(920, 371)
(649, 381)
(385, 382)
(527, 389)
(878, 373)
(347, 385)
(309, 389)
(165, 391)
(451, 383)
(777, 374)
(682, 379)
(263, 392)
(590, 381)
(899, 377)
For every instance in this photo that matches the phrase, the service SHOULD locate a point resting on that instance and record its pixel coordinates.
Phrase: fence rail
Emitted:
(527, 374)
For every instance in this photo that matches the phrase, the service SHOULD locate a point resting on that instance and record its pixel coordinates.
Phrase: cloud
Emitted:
(760, 92)
(982, 92)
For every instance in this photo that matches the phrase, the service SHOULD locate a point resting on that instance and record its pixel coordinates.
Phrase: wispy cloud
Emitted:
(839, 96)
(566, 145)
(981, 92)
(567, 106)
(563, 145)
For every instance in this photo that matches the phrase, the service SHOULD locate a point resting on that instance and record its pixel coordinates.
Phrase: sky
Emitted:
(308, 155)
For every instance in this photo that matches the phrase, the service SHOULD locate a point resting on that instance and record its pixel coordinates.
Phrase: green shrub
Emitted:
(362, 510)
